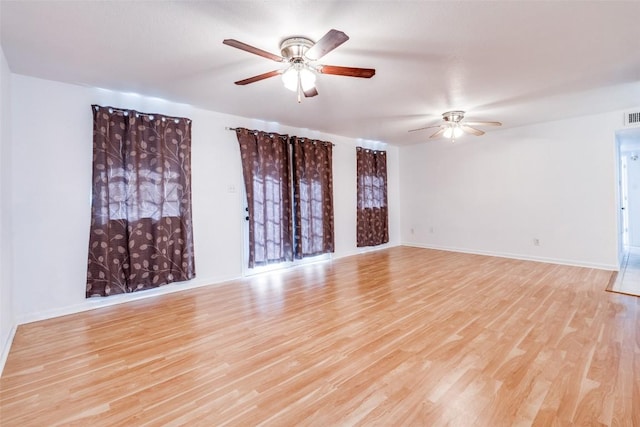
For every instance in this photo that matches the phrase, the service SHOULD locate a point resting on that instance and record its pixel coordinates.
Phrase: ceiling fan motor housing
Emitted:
(294, 48)
(453, 116)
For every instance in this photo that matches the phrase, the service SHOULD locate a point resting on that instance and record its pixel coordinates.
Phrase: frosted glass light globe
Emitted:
(453, 132)
(290, 79)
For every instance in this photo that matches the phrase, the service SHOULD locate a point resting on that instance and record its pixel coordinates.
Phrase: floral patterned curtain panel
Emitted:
(372, 211)
(267, 178)
(313, 197)
(141, 228)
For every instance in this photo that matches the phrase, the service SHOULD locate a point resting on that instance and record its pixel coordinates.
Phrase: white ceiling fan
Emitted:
(453, 126)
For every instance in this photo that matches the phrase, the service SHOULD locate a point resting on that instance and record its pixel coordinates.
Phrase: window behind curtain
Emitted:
(372, 211)
(313, 197)
(141, 227)
(266, 172)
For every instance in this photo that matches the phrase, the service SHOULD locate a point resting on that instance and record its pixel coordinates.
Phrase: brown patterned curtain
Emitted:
(141, 229)
(313, 197)
(265, 167)
(373, 216)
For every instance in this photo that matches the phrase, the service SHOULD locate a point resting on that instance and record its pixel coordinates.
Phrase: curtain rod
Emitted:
(151, 115)
(253, 131)
(282, 136)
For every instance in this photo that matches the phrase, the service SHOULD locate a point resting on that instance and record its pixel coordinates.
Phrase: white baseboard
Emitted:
(366, 249)
(6, 347)
(95, 303)
(101, 302)
(573, 263)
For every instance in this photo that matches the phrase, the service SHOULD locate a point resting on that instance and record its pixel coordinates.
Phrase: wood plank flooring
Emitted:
(403, 336)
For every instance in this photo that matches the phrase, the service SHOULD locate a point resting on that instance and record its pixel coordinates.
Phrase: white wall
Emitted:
(51, 177)
(494, 194)
(7, 318)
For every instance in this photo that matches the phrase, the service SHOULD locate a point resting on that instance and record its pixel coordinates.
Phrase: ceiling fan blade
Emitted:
(311, 92)
(248, 48)
(438, 133)
(483, 123)
(428, 127)
(259, 77)
(326, 44)
(469, 129)
(347, 71)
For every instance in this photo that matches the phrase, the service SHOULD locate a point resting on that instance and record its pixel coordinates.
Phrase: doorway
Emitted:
(629, 157)
(628, 144)
(247, 271)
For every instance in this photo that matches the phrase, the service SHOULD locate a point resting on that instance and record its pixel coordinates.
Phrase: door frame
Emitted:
(627, 140)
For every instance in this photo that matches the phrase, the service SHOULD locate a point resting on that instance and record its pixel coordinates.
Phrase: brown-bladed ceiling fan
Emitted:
(300, 53)
(453, 126)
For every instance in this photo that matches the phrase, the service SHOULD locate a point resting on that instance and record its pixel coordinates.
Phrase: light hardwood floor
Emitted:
(403, 336)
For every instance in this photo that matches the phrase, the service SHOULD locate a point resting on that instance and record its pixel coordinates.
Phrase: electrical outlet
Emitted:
(536, 242)
(412, 231)
(432, 230)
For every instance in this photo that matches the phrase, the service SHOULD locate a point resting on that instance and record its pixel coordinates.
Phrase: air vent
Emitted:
(632, 119)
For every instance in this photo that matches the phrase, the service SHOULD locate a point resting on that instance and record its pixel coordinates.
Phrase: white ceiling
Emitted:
(517, 62)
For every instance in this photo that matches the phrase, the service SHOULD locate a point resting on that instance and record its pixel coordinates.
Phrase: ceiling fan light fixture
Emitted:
(453, 131)
(291, 76)
(290, 79)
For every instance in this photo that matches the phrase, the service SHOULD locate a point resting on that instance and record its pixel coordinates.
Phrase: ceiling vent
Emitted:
(632, 118)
